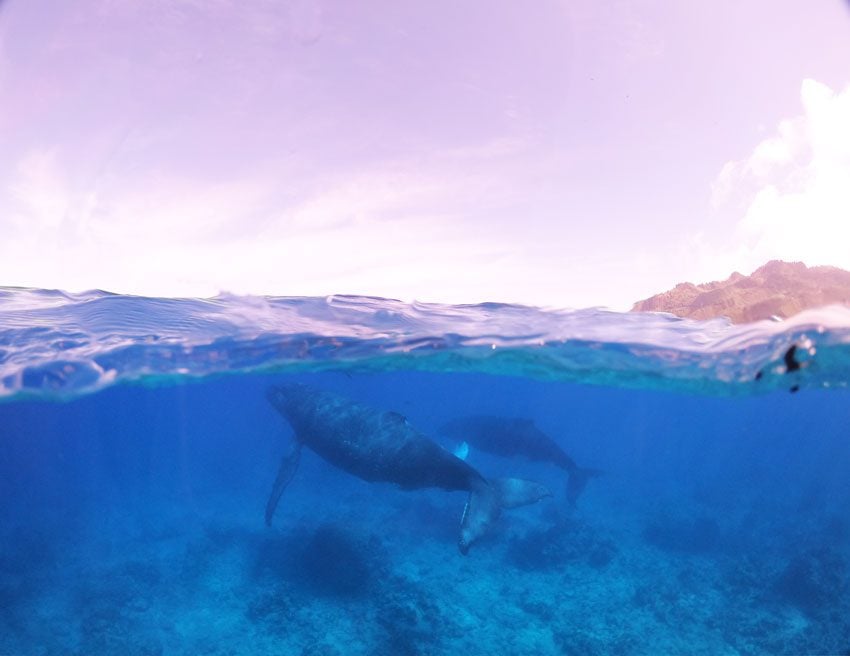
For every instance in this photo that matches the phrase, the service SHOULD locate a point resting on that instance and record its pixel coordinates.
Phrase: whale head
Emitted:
(288, 397)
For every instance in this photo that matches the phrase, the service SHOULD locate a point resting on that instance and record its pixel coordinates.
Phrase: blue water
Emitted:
(137, 450)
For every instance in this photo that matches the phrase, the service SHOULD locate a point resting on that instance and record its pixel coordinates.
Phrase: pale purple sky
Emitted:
(572, 153)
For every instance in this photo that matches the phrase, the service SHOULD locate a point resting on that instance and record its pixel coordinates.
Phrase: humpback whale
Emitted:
(510, 437)
(384, 446)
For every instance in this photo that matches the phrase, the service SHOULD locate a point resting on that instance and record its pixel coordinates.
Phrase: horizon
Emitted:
(566, 155)
(225, 293)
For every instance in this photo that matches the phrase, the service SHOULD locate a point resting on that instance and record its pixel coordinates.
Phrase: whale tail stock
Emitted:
(577, 479)
(486, 501)
(288, 467)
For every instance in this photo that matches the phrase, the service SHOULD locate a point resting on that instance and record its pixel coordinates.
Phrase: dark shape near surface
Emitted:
(383, 447)
(790, 359)
(776, 289)
(511, 437)
(792, 364)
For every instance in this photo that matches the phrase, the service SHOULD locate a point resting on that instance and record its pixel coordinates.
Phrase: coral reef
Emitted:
(690, 535)
(335, 561)
(813, 580)
(553, 547)
(411, 622)
(332, 560)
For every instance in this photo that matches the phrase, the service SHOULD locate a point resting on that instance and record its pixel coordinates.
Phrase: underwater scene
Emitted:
(348, 475)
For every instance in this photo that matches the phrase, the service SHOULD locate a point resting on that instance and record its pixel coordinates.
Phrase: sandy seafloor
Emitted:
(132, 523)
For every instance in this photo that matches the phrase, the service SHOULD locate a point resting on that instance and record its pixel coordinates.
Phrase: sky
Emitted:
(563, 153)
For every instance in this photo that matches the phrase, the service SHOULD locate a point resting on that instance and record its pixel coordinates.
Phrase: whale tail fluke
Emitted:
(288, 467)
(577, 480)
(486, 501)
(481, 511)
(516, 492)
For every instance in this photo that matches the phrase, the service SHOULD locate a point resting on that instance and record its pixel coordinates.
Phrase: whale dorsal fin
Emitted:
(461, 451)
(396, 417)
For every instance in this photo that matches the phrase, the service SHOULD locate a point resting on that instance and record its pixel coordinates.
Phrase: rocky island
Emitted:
(776, 289)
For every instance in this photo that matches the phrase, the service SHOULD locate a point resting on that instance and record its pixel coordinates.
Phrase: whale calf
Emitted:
(383, 446)
(511, 437)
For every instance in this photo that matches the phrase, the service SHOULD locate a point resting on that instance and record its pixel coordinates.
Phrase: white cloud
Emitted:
(4, 65)
(788, 199)
(393, 230)
(39, 192)
(359, 199)
(793, 192)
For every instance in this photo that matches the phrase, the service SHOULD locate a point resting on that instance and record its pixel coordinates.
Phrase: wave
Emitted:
(60, 345)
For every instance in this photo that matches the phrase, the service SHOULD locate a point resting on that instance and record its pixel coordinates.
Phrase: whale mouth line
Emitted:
(278, 394)
(273, 392)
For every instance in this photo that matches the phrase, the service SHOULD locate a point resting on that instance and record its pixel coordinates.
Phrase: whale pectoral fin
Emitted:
(516, 492)
(288, 467)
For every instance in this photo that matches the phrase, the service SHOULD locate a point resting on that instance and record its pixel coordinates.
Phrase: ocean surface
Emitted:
(138, 449)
